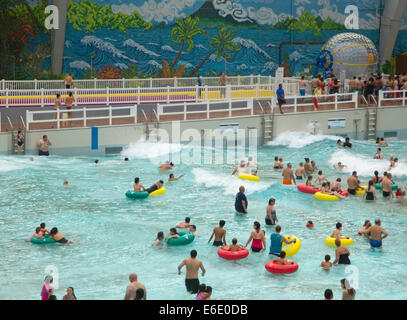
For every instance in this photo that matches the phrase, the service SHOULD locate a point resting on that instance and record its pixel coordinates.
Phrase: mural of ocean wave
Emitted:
(133, 44)
(79, 64)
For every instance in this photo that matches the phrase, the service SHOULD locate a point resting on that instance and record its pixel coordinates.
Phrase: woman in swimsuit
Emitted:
(370, 193)
(58, 236)
(342, 253)
(376, 179)
(271, 217)
(259, 239)
(160, 239)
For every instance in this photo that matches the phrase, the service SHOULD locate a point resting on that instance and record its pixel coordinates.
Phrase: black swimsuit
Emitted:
(344, 258)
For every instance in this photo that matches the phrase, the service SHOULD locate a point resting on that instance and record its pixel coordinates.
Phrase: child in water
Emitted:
(160, 239)
(43, 230)
(327, 264)
(234, 246)
(321, 178)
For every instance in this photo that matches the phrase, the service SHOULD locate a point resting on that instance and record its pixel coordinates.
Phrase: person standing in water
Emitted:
(258, 239)
(300, 172)
(276, 242)
(241, 203)
(288, 175)
(387, 186)
(133, 287)
(377, 234)
(43, 145)
(193, 265)
(220, 235)
(370, 193)
(342, 253)
(241, 169)
(271, 216)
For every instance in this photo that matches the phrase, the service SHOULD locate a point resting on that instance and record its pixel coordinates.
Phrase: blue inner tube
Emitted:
(184, 239)
(137, 195)
(44, 240)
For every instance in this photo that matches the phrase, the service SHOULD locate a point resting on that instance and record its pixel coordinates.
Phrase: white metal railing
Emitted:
(83, 114)
(206, 108)
(113, 96)
(396, 97)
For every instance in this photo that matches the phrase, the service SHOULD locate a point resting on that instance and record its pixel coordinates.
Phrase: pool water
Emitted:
(113, 235)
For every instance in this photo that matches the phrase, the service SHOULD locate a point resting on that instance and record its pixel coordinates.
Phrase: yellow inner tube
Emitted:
(292, 248)
(248, 177)
(158, 192)
(345, 242)
(361, 191)
(325, 197)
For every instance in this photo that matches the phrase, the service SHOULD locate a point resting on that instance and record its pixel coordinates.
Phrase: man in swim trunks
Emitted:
(138, 186)
(172, 177)
(377, 234)
(241, 169)
(277, 240)
(167, 166)
(302, 84)
(307, 167)
(288, 175)
(241, 201)
(220, 235)
(337, 233)
(155, 186)
(300, 172)
(43, 145)
(193, 265)
(183, 225)
(133, 287)
(347, 143)
(58, 236)
(353, 183)
(387, 186)
(276, 163)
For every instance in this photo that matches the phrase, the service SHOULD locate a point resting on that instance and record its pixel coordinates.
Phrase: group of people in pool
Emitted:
(41, 232)
(47, 291)
(250, 167)
(348, 292)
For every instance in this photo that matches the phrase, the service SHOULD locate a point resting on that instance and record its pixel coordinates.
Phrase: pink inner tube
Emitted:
(305, 189)
(273, 267)
(233, 255)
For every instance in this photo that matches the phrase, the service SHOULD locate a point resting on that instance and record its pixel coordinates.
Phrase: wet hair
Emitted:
(42, 224)
(376, 173)
(208, 290)
(160, 235)
(306, 159)
(282, 254)
(194, 254)
(257, 225)
(370, 183)
(278, 228)
(234, 241)
(354, 173)
(338, 225)
(347, 139)
(320, 172)
(272, 200)
(337, 242)
(173, 230)
(126, 159)
(187, 219)
(327, 257)
(328, 294)
(193, 226)
(324, 184)
(202, 288)
(96, 161)
(275, 158)
(54, 231)
(339, 180)
(367, 222)
(171, 175)
(222, 223)
(136, 180)
(309, 178)
(38, 229)
(162, 182)
(139, 294)
(73, 291)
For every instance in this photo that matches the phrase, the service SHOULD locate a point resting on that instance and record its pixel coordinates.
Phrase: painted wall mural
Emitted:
(166, 38)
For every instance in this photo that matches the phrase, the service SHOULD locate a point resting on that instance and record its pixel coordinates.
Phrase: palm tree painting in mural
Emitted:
(183, 33)
(222, 44)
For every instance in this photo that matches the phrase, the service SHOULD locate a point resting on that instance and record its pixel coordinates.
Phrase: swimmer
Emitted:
(58, 236)
(337, 233)
(138, 187)
(341, 253)
(288, 175)
(377, 234)
(365, 227)
(336, 185)
(160, 239)
(44, 230)
(383, 143)
(31, 158)
(37, 235)
(156, 186)
(313, 166)
(234, 246)
(276, 163)
(276, 242)
(326, 189)
(353, 183)
(393, 163)
(379, 155)
(300, 172)
(96, 162)
(348, 292)
(271, 216)
(126, 159)
(327, 264)
(309, 224)
(281, 259)
(280, 163)
(387, 186)
(339, 143)
(241, 203)
(184, 225)
(340, 166)
(193, 265)
(309, 183)
(320, 178)
(241, 169)
(376, 179)
(307, 167)
(401, 196)
(252, 165)
(172, 177)
(328, 294)
(167, 166)
(173, 235)
(347, 143)
(192, 229)
(370, 193)
(258, 237)
(66, 183)
(220, 235)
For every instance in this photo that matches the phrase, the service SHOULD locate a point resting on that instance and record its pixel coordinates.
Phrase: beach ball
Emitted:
(353, 53)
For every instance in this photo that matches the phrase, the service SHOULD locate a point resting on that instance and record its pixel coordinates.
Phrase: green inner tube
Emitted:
(136, 195)
(378, 186)
(184, 239)
(44, 240)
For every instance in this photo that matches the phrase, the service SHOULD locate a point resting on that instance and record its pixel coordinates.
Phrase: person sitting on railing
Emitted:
(43, 145)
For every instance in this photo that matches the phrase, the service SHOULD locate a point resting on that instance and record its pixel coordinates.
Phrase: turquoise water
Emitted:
(113, 235)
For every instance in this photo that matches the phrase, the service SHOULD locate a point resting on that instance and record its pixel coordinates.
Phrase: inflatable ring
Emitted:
(248, 177)
(273, 267)
(361, 191)
(292, 248)
(136, 195)
(378, 186)
(345, 242)
(325, 197)
(184, 239)
(305, 189)
(44, 240)
(232, 255)
(158, 192)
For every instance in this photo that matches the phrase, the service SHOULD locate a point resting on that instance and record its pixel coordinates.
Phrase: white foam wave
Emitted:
(364, 165)
(143, 149)
(230, 184)
(107, 47)
(299, 139)
(8, 166)
(133, 44)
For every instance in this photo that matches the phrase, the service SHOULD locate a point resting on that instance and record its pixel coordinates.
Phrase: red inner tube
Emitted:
(233, 255)
(305, 189)
(273, 267)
